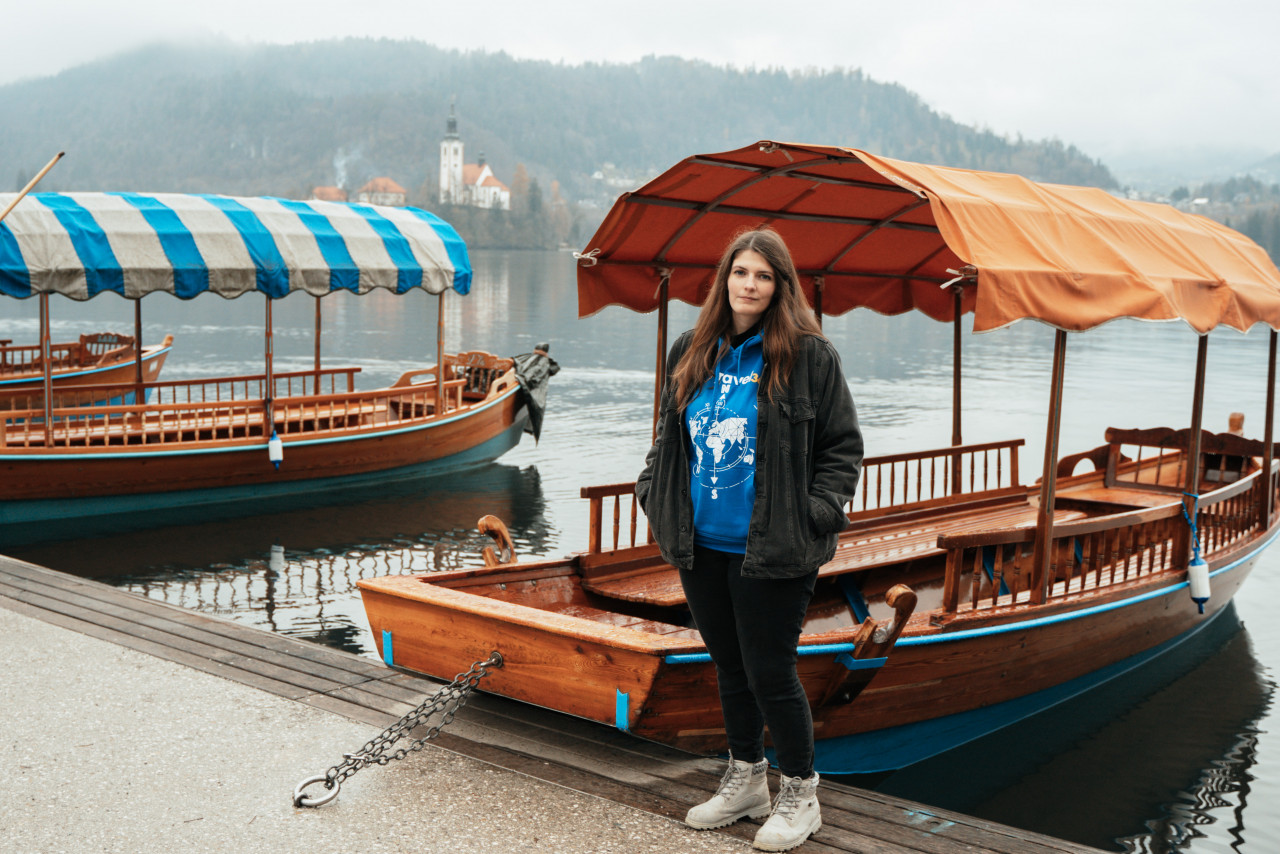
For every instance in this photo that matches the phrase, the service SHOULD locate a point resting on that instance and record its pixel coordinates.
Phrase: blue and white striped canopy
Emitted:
(84, 244)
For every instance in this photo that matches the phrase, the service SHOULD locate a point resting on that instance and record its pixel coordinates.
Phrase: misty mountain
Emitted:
(1159, 171)
(279, 120)
(1266, 171)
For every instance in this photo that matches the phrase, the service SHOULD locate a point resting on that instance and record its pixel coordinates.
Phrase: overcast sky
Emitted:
(1106, 75)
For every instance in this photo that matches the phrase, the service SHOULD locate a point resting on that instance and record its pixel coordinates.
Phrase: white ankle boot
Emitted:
(743, 791)
(795, 815)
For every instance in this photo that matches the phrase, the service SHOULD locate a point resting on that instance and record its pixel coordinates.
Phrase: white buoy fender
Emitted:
(1198, 579)
(275, 450)
(275, 559)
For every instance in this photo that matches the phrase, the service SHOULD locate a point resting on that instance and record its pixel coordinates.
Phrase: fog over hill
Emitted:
(279, 120)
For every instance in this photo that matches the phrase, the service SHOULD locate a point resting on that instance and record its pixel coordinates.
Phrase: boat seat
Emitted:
(627, 621)
(866, 547)
(889, 542)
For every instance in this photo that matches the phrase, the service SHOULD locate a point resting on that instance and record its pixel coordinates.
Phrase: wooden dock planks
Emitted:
(547, 745)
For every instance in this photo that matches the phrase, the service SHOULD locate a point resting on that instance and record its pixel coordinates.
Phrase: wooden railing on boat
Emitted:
(992, 569)
(248, 387)
(892, 483)
(934, 478)
(91, 349)
(615, 495)
(985, 533)
(229, 408)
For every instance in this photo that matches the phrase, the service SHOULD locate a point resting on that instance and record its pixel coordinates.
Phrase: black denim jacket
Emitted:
(808, 461)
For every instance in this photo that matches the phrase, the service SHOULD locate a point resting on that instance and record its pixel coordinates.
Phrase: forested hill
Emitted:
(281, 119)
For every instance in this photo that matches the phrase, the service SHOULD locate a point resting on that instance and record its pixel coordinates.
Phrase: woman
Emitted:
(757, 453)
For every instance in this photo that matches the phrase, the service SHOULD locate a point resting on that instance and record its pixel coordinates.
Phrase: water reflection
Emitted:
(295, 572)
(1175, 740)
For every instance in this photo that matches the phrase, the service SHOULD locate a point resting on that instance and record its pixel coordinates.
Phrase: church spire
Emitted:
(451, 128)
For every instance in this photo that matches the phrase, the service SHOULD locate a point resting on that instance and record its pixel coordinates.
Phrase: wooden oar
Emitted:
(31, 184)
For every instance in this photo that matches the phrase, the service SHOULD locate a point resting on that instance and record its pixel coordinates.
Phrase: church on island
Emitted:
(469, 184)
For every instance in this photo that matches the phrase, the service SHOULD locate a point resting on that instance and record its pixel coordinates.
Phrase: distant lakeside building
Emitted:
(468, 184)
(378, 191)
(383, 191)
(329, 194)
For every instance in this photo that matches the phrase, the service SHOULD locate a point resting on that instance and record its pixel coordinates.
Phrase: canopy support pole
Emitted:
(316, 386)
(1048, 482)
(46, 360)
(660, 372)
(1191, 486)
(819, 284)
(269, 387)
(955, 391)
(440, 401)
(1268, 455)
(139, 396)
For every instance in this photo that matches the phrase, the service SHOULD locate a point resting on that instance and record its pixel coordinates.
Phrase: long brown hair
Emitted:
(786, 320)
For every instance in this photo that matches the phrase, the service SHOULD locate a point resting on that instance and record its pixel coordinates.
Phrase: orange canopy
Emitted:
(890, 235)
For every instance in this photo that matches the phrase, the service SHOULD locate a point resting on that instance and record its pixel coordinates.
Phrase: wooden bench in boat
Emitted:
(884, 541)
(1147, 468)
(638, 624)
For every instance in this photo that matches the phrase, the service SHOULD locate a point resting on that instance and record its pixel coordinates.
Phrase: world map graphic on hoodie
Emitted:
(721, 420)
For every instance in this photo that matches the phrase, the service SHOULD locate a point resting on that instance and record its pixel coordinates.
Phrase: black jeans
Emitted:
(751, 627)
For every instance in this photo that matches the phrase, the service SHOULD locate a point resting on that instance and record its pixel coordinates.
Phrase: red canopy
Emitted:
(888, 235)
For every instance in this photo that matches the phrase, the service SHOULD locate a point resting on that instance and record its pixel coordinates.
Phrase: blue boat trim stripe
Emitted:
(1075, 615)
(622, 710)
(812, 649)
(388, 654)
(71, 374)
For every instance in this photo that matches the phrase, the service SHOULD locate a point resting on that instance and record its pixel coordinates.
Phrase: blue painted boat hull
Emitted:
(1166, 615)
(313, 472)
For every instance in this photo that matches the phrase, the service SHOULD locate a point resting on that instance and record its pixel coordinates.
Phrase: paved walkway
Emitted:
(104, 749)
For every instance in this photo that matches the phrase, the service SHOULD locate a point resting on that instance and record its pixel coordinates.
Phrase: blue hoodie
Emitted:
(721, 422)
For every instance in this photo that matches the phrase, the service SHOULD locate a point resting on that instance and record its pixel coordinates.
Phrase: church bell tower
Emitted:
(451, 162)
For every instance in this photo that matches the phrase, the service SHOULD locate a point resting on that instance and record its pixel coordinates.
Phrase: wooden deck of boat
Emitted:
(546, 745)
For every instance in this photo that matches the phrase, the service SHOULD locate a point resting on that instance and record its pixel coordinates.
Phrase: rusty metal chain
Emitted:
(377, 750)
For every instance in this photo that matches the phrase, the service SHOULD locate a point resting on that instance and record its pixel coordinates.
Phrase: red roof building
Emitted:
(382, 191)
(329, 194)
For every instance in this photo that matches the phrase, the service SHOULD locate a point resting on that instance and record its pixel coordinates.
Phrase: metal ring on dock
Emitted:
(301, 800)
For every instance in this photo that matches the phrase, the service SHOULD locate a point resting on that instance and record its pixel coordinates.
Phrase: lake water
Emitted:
(1185, 759)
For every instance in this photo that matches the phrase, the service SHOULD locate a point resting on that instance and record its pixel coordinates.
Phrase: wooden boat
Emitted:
(961, 598)
(224, 440)
(99, 358)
